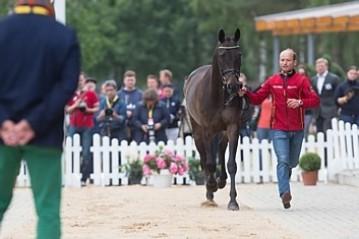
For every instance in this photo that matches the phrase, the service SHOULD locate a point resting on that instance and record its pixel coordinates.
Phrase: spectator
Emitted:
(308, 114)
(82, 108)
(347, 97)
(245, 129)
(150, 119)
(264, 121)
(153, 83)
(291, 92)
(185, 128)
(166, 78)
(173, 106)
(264, 125)
(112, 113)
(325, 83)
(131, 96)
(40, 64)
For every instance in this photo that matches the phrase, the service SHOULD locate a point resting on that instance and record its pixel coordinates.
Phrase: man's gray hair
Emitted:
(111, 83)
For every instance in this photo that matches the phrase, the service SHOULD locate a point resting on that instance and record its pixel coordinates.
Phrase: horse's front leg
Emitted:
(233, 135)
(222, 178)
(211, 165)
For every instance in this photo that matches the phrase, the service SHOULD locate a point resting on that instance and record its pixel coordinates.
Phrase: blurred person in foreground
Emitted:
(40, 64)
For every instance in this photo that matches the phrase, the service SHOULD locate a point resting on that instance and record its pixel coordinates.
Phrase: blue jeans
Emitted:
(287, 146)
(352, 119)
(85, 141)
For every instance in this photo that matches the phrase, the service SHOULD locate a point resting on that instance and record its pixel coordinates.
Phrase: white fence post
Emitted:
(339, 147)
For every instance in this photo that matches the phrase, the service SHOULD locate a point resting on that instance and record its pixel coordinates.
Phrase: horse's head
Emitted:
(228, 60)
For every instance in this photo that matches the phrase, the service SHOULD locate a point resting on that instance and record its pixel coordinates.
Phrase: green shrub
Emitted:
(309, 162)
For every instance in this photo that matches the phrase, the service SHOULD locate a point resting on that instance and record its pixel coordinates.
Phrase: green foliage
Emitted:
(149, 35)
(195, 169)
(133, 168)
(309, 162)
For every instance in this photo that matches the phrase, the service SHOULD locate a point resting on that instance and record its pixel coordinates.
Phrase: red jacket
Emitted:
(79, 118)
(282, 88)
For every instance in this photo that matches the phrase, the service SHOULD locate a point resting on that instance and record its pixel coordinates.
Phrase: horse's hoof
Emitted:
(233, 206)
(221, 183)
(212, 186)
(209, 203)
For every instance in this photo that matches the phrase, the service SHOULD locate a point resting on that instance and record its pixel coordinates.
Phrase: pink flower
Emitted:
(147, 158)
(169, 153)
(179, 158)
(146, 170)
(161, 164)
(181, 170)
(173, 168)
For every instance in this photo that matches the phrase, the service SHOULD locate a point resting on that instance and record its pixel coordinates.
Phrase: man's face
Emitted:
(167, 92)
(110, 92)
(152, 83)
(352, 75)
(164, 79)
(130, 82)
(90, 86)
(286, 61)
(82, 81)
(320, 67)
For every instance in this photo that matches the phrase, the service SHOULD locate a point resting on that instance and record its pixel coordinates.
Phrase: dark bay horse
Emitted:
(216, 113)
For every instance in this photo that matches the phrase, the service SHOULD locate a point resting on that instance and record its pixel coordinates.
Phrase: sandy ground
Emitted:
(142, 212)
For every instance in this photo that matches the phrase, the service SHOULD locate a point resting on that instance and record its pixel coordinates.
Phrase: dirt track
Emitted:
(142, 212)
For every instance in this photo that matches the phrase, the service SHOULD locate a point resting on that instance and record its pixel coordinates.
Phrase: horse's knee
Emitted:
(232, 167)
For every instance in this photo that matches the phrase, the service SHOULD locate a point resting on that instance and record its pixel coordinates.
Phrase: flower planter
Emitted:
(134, 179)
(162, 180)
(310, 177)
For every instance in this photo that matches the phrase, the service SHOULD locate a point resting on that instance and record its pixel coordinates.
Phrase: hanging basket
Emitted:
(162, 180)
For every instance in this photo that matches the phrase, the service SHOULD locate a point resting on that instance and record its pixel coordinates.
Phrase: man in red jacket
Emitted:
(291, 93)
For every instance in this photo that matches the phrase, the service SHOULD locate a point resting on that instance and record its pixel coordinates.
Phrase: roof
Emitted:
(330, 18)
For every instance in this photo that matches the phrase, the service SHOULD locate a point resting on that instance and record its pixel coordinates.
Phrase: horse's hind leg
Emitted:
(222, 179)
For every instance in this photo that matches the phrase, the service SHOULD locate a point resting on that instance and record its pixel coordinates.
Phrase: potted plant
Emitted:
(195, 171)
(310, 164)
(134, 171)
(162, 165)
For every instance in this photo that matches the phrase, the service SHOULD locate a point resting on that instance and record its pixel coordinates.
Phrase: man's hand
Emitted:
(24, 132)
(157, 126)
(129, 113)
(242, 91)
(294, 103)
(144, 128)
(7, 133)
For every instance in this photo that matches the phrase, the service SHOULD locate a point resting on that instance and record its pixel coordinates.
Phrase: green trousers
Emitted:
(44, 166)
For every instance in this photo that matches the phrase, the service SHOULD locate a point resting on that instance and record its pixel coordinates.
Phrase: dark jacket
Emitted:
(39, 69)
(173, 105)
(117, 125)
(328, 109)
(352, 107)
(130, 98)
(160, 115)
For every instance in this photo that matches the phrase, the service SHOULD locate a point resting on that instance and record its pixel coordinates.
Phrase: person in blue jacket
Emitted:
(112, 113)
(40, 65)
(131, 96)
(150, 119)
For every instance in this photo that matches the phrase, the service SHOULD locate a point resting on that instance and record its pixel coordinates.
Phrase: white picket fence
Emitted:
(340, 150)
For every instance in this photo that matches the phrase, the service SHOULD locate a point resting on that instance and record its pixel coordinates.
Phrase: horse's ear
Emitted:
(237, 35)
(221, 36)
